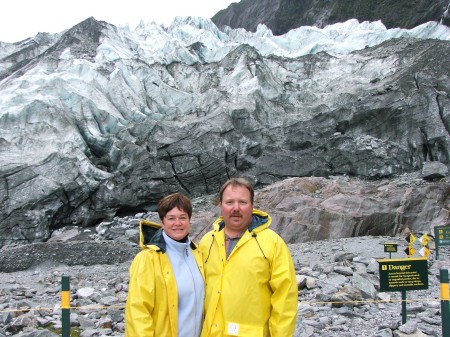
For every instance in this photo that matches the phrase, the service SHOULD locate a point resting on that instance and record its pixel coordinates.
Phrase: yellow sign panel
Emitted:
(65, 299)
(410, 238)
(410, 250)
(445, 293)
(424, 251)
(424, 239)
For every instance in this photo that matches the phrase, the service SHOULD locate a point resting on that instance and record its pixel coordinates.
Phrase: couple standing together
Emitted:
(239, 281)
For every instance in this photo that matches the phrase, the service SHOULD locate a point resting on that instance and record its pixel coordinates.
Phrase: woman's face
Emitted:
(176, 224)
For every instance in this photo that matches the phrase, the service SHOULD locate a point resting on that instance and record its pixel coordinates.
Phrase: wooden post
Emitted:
(445, 304)
(65, 306)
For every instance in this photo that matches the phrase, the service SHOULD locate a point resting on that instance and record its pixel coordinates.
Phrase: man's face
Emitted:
(176, 224)
(236, 207)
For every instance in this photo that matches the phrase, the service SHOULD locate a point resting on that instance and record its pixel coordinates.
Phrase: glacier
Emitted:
(100, 120)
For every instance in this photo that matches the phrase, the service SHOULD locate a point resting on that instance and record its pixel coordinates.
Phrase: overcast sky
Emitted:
(22, 19)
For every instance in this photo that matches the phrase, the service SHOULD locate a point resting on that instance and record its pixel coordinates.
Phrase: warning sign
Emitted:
(390, 247)
(403, 274)
(410, 251)
(424, 251)
(442, 235)
(410, 238)
(424, 239)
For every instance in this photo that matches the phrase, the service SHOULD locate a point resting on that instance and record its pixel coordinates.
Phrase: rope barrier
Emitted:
(372, 301)
(307, 302)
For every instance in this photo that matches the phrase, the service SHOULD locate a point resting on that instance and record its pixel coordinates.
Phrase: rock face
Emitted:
(106, 134)
(302, 209)
(310, 209)
(283, 15)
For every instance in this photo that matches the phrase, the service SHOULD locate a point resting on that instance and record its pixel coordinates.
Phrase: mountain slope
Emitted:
(283, 15)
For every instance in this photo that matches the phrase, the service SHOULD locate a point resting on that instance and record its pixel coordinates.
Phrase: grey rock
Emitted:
(346, 271)
(38, 333)
(384, 333)
(85, 292)
(415, 308)
(431, 320)
(434, 170)
(117, 315)
(417, 333)
(344, 311)
(86, 323)
(336, 280)
(409, 327)
(95, 332)
(301, 281)
(366, 287)
(21, 322)
(105, 323)
(347, 295)
(372, 267)
(344, 256)
(74, 321)
(109, 300)
(360, 259)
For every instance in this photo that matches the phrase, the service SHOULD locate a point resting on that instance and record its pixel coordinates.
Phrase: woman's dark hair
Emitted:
(171, 201)
(237, 182)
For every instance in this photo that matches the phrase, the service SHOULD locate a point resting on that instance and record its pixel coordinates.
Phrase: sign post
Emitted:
(445, 304)
(402, 275)
(390, 248)
(65, 306)
(441, 237)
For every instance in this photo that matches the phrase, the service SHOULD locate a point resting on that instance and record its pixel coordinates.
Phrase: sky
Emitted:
(22, 19)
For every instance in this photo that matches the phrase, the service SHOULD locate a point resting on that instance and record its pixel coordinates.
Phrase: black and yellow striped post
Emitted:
(445, 303)
(65, 306)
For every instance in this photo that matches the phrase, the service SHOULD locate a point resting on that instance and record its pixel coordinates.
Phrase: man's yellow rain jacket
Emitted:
(254, 292)
(152, 303)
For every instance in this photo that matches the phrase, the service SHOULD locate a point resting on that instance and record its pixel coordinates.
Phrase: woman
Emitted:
(166, 289)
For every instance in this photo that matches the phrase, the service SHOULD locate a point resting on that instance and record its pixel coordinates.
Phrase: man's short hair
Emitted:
(171, 201)
(237, 182)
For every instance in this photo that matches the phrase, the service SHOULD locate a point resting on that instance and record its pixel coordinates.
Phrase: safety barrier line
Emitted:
(69, 307)
(101, 307)
(301, 301)
(373, 301)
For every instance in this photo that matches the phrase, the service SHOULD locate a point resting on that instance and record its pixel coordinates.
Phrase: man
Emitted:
(251, 288)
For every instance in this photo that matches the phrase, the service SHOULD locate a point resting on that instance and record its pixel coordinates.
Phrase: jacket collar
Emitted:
(156, 239)
(260, 221)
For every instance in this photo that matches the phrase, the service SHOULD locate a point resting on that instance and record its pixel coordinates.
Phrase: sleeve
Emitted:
(284, 287)
(141, 297)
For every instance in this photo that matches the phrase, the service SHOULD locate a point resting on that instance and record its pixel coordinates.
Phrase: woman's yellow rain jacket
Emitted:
(254, 292)
(152, 303)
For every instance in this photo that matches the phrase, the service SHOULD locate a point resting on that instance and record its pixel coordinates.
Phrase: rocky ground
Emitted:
(346, 270)
(338, 291)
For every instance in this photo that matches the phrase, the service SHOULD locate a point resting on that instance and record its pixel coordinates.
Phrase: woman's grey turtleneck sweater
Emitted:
(190, 286)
